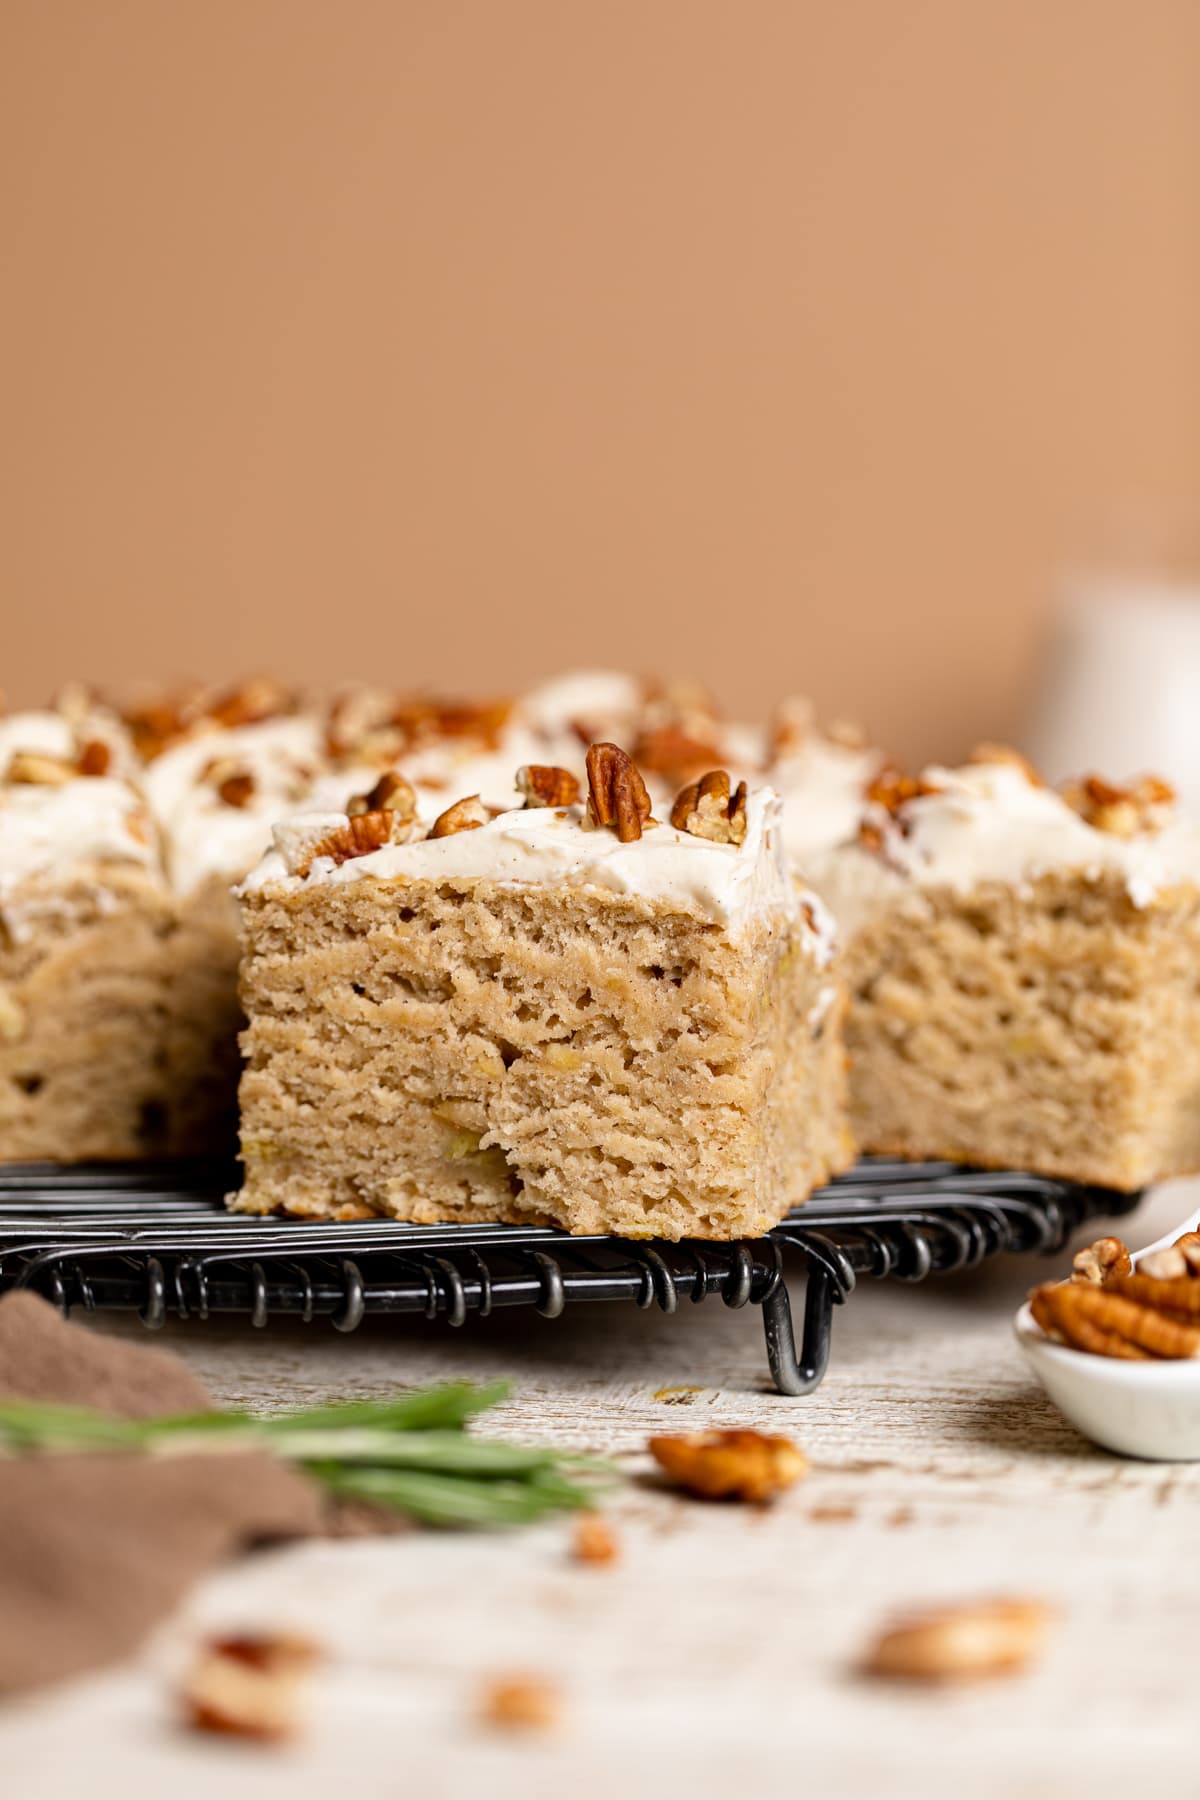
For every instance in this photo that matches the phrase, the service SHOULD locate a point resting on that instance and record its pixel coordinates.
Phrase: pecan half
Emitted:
(617, 794)
(1131, 1317)
(249, 1686)
(464, 815)
(1097, 1262)
(594, 1540)
(545, 785)
(730, 1465)
(1123, 812)
(960, 1643)
(391, 793)
(33, 768)
(706, 809)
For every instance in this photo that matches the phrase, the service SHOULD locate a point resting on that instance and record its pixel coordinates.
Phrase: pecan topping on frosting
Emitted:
(673, 753)
(892, 789)
(391, 793)
(359, 836)
(543, 785)
(252, 702)
(464, 815)
(370, 724)
(1122, 812)
(706, 809)
(617, 794)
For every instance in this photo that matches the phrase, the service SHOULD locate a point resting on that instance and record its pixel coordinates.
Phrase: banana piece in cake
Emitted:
(566, 1013)
(84, 914)
(1022, 968)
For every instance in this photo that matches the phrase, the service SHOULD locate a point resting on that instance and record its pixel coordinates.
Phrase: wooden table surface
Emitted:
(719, 1656)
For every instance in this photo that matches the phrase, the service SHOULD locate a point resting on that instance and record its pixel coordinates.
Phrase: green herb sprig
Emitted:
(411, 1454)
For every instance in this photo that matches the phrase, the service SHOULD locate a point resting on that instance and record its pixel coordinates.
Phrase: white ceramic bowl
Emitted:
(1147, 1409)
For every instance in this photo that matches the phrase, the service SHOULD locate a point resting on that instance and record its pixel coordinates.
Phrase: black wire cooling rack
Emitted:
(154, 1239)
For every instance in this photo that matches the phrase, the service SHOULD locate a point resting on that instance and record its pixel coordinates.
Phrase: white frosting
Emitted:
(990, 823)
(52, 830)
(606, 701)
(206, 836)
(729, 884)
(824, 791)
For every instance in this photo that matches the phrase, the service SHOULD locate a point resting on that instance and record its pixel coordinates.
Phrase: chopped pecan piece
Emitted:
(594, 1541)
(521, 1703)
(158, 723)
(674, 754)
(237, 789)
(961, 1643)
(617, 794)
(1097, 1262)
(892, 789)
(1007, 756)
(1123, 812)
(252, 702)
(33, 768)
(359, 836)
(95, 758)
(249, 1686)
(730, 1465)
(391, 793)
(544, 785)
(706, 809)
(464, 815)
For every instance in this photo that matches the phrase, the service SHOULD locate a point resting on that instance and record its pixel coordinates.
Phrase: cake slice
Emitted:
(1022, 966)
(84, 914)
(565, 1013)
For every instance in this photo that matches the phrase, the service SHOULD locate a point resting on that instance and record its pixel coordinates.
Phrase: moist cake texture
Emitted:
(566, 1013)
(1022, 966)
(83, 916)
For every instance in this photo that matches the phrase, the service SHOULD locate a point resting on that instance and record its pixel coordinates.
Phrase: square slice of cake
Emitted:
(84, 914)
(1024, 973)
(566, 1013)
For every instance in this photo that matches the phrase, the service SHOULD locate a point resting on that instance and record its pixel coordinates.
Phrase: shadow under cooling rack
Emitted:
(154, 1239)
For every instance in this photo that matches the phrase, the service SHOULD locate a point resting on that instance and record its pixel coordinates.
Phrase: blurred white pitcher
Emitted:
(1119, 689)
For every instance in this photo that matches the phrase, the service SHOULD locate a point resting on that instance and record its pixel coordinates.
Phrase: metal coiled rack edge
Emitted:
(155, 1240)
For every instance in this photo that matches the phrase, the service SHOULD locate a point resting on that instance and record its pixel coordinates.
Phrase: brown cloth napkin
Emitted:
(96, 1550)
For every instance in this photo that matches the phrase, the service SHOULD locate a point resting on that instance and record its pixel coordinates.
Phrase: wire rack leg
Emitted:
(791, 1374)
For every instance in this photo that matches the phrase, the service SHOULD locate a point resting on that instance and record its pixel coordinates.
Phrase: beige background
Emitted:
(780, 342)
